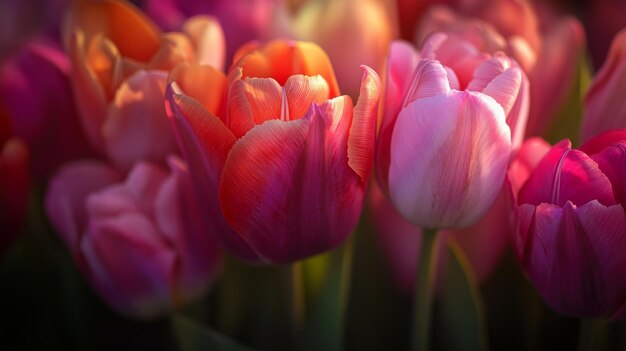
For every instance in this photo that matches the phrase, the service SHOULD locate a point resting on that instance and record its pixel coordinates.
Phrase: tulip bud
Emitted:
(35, 89)
(141, 243)
(444, 143)
(605, 108)
(572, 227)
(289, 162)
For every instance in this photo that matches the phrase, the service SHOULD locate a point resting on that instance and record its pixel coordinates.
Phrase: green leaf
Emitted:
(193, 336)
(461, 306)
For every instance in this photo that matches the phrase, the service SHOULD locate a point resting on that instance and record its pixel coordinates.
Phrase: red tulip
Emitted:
(140, 242)
(289, 161)
(571, 236)
(605, 108)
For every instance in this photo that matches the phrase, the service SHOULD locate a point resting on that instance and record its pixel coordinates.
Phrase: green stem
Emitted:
(424, 290)
(297, 289)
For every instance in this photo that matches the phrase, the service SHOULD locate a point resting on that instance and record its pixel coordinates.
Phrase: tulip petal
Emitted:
(130, 264)
(67, 192)
(203, 83)
(252, 101)
(180, 218)
(205, 143)
(448, 153)
(527, 158)
(429, 78)
(361, 142)
(137, 127)
(571, 176)
(301, 91)
(175, 49)
(612, 162)
(287, 188)
(208, 39)
(570, 258)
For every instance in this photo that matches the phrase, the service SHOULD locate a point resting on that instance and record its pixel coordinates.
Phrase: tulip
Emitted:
(572, 216)
(444, 143)
(484, 243)
(525, 161)
(604, 103)
(35, 90)
(14, 189)
(120, 62)
(140, 242)
(289, 161)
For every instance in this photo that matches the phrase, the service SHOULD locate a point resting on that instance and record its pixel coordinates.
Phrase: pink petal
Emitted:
(566, 175)
(361, 142)
(287, 188)
(606, 139)
(402, 59)
(526, 159)
(67, 193)
(137, 127)
(130, 265)
(205, 142)
(612, 162)
(448, 152)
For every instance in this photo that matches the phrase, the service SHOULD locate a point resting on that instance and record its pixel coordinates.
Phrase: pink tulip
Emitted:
(484, 243)
(605, 108)
(572, 227)
(35, 89)
(14, 189)
(120, 63)
(525, 161)
(444, 143)
(141, 242)
(289, 161)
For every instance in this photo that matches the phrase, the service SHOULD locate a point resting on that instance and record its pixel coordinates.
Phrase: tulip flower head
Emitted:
(288, 161)
(572, 229)
(120, 62)
(448, 130)
(140, 242)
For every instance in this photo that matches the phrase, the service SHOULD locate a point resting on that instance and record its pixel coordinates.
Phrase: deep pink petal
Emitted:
(612, 162)
(526, 159)
(287, 187)
(566, 175)
(448, 152)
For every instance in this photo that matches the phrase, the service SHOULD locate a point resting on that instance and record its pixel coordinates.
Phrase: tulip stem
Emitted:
(298, 307)
(424, 290)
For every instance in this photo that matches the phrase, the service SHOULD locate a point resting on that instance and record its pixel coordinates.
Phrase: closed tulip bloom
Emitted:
(289, 159)
(140, 242)
(444, 142)
(572, 228)
(35, 90)
(605, 108)
(120, 63)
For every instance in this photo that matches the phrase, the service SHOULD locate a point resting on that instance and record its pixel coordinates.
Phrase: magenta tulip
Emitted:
(35, 90)
(572, 226)
(140, 242)
(605, 107)
(444, 143)
(288, 162)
